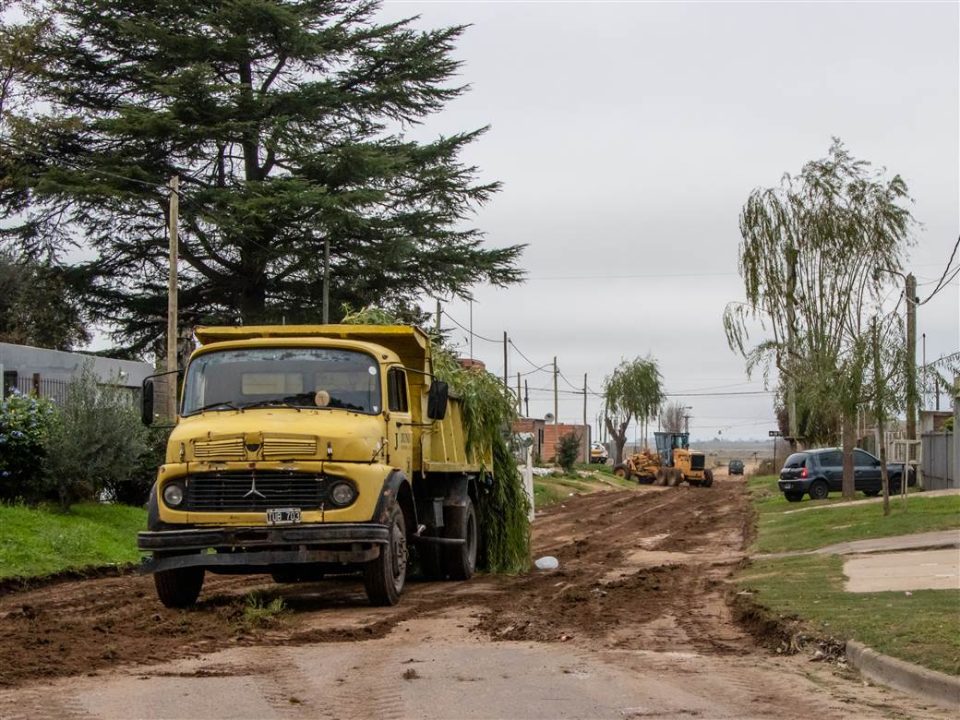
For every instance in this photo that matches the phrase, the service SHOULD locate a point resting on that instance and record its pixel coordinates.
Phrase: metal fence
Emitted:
(55, 390)
(938, 461)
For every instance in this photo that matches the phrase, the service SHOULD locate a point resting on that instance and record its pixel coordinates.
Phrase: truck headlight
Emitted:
(342, 494)
(173, 494)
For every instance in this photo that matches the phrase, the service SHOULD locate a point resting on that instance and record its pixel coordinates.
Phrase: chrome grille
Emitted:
(225, 448)
(280, 447)
(231, 491)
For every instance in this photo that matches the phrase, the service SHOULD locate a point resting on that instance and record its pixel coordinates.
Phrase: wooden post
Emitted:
(326, 281)
(172, 334)
(911, 356)
(556, 401)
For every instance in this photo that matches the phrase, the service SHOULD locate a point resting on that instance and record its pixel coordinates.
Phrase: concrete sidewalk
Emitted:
(936, 540)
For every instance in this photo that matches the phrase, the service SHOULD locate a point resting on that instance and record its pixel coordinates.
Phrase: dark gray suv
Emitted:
(820, 472)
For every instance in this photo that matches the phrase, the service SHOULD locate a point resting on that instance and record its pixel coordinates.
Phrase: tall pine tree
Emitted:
(286, 121)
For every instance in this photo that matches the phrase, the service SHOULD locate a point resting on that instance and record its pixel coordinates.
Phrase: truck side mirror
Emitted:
(437, 400)
(146, 403)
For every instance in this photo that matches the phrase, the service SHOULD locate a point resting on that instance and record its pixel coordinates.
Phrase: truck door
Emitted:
(400, 430)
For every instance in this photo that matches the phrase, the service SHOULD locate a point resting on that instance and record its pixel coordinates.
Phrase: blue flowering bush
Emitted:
(25, 423)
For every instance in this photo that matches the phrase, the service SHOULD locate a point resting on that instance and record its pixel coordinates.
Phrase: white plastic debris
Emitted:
(547, 562)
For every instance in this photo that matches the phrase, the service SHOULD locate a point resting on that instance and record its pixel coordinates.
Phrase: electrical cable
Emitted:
(942, 283)
(465, 329)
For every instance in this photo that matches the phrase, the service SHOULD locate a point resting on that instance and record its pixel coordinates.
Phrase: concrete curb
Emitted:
(935, 687)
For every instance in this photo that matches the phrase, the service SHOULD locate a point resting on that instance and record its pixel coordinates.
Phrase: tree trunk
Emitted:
(619, 436)
(849, 441)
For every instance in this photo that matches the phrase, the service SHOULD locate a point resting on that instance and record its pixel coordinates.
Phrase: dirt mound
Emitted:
(639, 568)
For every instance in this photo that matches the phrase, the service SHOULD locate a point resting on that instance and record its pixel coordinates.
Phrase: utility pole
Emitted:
(471, 328)
(587, 427)
(911, 358)
(326, 281)
(519, 396)
(556, 396)
(172, 334)
(506, 385)
(923, 382)
(438, 317)
(526, 399)
(791, 331)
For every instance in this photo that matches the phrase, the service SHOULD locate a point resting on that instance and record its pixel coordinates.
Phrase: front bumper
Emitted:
(794, 485)
(259, 548)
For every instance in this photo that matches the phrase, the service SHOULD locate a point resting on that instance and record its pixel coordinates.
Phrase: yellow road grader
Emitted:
(672, 464)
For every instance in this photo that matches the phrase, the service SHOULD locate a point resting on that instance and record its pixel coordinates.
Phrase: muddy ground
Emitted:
(643, 574)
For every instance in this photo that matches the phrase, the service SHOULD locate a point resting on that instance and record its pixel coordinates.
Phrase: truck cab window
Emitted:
(397, 390)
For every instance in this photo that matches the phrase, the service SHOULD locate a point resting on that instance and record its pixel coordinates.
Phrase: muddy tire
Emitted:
(384, 577)
(180, 587)
(819, 490)
(460, 561)
(621, 471)
(674, 477)
(793, 496)
(660, 478)
(707, 478)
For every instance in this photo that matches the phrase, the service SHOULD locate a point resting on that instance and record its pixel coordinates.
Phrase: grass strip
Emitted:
(921, 627)
(41, 541)
(781, 529)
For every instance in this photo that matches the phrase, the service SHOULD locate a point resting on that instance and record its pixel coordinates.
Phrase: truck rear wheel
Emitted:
(707, 478)
(180, 587)
(384, 577)
(621, 471)
(459, 561)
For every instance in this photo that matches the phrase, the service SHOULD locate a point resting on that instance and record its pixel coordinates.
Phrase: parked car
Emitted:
(598, 453)
(735, 467)
(820, 472)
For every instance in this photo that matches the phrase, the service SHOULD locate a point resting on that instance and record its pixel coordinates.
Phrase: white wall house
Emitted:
(46, 371)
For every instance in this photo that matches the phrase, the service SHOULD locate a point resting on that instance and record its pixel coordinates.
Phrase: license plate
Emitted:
(787, 486)
(283, 516)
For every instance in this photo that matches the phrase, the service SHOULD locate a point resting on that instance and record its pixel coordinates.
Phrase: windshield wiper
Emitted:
(226, 404)
(269, 403)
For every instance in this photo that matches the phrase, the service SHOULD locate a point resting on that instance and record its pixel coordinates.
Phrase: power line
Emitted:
(531, 362)
(468, 330)
(943, 282)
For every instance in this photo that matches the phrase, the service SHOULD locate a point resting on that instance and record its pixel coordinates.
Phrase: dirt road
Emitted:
(635, 623)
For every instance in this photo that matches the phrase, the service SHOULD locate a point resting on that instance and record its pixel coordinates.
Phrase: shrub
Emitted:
(135, 489)
(568, 448)
(24, 423)
(97, 442)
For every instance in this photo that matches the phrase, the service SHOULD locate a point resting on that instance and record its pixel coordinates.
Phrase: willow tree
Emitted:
(818, 254)
(672, 417)
(633, 391)
(289, 125)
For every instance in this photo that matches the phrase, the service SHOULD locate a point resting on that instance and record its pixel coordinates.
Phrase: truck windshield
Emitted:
(291, 377)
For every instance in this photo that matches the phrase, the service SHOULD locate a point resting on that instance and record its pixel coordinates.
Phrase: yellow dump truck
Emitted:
(301, 451)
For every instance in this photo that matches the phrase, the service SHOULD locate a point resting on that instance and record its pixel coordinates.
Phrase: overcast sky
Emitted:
(628, 136)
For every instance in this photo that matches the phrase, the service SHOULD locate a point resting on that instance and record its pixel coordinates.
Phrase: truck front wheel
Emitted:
(180, 587)
(461, 560)
(384, 577)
